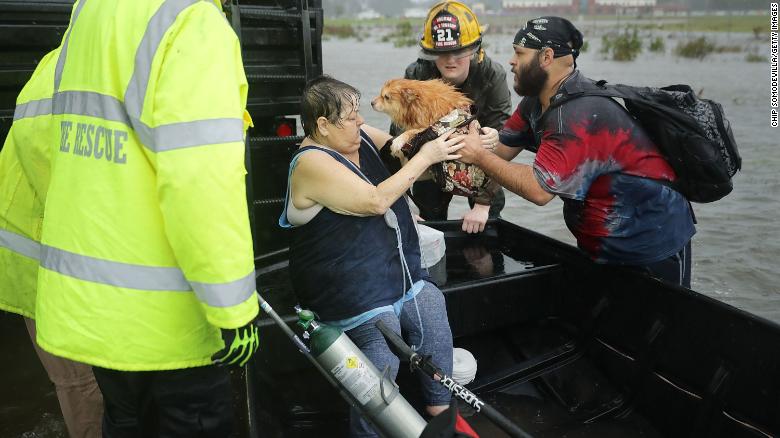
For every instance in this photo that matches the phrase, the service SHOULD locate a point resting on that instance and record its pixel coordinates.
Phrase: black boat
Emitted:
(564, 347)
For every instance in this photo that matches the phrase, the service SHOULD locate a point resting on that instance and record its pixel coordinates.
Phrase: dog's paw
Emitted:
(399, 142)
(395, 148)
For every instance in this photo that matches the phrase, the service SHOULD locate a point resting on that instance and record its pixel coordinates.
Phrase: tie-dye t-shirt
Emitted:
(609, 174)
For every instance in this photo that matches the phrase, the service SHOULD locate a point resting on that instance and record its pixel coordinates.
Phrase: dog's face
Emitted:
(417, 104)
(393, 98)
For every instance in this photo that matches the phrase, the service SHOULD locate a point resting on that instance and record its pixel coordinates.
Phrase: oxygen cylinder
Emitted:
(374, 394)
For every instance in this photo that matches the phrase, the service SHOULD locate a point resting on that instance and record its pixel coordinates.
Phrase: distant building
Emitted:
(622, 7)
(478, 8)
(532, 7)
(625, 3)
(368, 14)
(572, 7)
(415, 13)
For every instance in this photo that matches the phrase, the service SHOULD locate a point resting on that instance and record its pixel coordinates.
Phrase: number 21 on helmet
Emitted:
(451, 28)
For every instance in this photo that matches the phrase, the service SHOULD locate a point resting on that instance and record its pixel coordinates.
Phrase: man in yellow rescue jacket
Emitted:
(147, 268)
(24, 180)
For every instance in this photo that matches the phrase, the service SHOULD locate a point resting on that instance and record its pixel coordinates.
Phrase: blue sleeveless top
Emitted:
(341, 265)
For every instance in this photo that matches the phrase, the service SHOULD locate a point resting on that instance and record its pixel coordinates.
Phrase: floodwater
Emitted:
(737, 244)
(736, 248)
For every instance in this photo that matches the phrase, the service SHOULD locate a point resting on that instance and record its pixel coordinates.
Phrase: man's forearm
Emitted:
(517, 178)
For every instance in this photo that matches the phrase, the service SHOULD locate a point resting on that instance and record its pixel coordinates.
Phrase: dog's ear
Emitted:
(409, 94)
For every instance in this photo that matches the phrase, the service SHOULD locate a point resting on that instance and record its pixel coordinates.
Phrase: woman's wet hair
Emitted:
(326, 97)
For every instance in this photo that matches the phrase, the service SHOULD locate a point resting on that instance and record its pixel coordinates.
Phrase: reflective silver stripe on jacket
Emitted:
(89, 103)
(64, 51)
(20, 244)
(226, 294)
(161, 138)
(33, 108)
(158, 25)
(141, 277)
(197, 133)
(165, 137)
(113, 273)
(174, 135)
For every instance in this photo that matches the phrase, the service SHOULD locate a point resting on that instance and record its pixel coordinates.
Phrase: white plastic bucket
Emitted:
(432, 246)
(464, 366)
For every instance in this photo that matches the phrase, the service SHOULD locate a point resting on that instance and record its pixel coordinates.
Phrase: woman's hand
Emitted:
(441, 149)
(489, 137)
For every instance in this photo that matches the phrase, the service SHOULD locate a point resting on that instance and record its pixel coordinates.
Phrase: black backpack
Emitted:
(692, 134)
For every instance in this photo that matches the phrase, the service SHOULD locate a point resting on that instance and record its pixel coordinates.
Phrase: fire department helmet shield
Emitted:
(445, 31)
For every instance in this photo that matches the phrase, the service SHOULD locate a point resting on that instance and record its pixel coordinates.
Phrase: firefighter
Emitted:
(147, 266)
(451, 50)
(24, 180)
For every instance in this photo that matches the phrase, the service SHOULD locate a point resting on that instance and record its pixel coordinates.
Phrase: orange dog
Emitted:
(433, 107)
(418, 104)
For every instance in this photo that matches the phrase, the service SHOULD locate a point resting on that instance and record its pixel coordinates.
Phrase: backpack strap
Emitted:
(599, 88)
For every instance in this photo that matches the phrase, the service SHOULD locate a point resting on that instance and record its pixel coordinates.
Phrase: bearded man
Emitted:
(590, 152)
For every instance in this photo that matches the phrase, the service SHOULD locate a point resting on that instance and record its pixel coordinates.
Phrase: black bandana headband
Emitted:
(553, 32)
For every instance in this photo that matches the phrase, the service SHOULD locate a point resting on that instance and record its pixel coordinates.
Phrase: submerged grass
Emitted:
(698, 48)
(657, 45)
(756, 24)
(339, 31)
(622, 47)
(508, 24)
(729, 49)
(402, 36)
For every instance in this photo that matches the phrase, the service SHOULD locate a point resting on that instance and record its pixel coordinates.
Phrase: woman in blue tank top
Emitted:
(354, 252)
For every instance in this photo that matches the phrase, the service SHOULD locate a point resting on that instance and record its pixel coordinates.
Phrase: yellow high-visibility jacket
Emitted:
(24, 179)
(146, 248)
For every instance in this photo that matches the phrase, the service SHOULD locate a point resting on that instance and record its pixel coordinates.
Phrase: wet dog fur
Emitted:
(416, 105)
